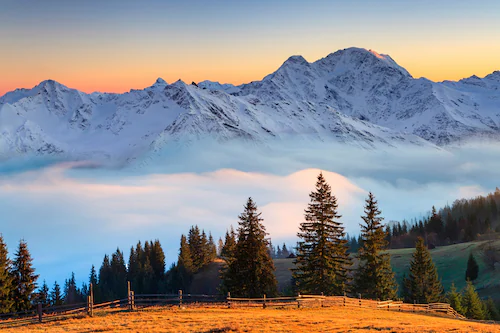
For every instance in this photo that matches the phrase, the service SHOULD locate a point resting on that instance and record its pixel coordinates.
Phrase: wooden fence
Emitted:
(133, 302)
(305, 301)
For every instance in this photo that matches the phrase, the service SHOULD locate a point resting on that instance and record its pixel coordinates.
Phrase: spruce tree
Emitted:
(229, 244)
(43, 296)
(6, 280)
(374, 277)
(322, 261)
(455, 299)
(158, 265)
(119, 275)
(422, 284)
(284, 251)
(472, 271)
(472, 303)
(56, 298)
(492, 311)
(71, 292)
(105, 281)
(24, 278)
(250, 273)
(185, 266)
(212, 248)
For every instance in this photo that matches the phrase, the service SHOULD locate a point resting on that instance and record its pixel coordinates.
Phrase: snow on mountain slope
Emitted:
(353, 96)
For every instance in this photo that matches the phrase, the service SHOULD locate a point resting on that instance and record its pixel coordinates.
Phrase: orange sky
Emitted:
(115, 46)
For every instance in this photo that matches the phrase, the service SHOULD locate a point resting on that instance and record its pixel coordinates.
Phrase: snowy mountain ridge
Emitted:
(353, 96)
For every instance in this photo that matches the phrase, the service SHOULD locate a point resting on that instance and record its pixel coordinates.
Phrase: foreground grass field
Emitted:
(332, 319)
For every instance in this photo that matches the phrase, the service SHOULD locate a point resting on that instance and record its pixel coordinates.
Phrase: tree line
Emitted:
(465, 220)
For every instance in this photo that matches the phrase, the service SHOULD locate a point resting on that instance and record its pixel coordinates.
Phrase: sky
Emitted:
(117, 45)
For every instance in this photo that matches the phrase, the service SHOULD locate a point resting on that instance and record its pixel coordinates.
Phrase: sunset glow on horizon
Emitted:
(120, 45)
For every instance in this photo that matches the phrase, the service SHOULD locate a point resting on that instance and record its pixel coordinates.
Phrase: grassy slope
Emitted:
(451, 262)
(206, 319)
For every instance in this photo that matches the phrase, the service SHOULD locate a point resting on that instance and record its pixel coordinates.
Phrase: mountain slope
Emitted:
(353, 96)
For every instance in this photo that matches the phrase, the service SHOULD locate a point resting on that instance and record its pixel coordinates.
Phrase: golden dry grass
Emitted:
(332, 319)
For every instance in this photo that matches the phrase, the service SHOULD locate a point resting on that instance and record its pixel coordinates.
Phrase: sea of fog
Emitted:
(72, 213)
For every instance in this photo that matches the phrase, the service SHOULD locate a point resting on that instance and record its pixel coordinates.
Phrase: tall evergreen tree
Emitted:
(374, 277)
(251, 272)
(119, 275)
(43, 295)
(322, 261)
(229, 244)
(158, 265)
(422, 284)
(455, 299)
(105, 281)
(472, 271)
(284, 251)
(56, 298)
(185, 266)
(492, 311)
(24, 278)
(6, 280)
(472, 303)
(212, 248)
(196, 247)
(71, 292)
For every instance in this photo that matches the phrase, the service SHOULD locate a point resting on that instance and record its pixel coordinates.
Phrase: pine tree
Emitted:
(322, 261)
(455, 299)
(229, 244)
(472, 271)
(24, 278)
(284, 251)
(491, 310)
(212, 248)
(158, 264)
(6, 280)
(374, 277)
(71, 292)
(105, 281)
(250, 273)
(422, 284)
(55, 295)
(472, 303)
(43, 295)
(119, 275)
(185, 266)
(196, 247)
(220, 246)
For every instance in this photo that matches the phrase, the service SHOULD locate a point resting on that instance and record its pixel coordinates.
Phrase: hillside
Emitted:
(451, 262)
(211, 319)
(353, 96)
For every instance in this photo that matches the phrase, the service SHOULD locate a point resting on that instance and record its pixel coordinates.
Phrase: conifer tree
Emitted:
(472, 271)
(491, 310)
(422, 284)
(158, 265)
(250, 273)
(185, 266)
(212, 248)
(196, 247)
(6, 280)
(284, 251)
(56, 298)
(455, 299)
(134, 269)
(322, 261)
(472, 303)
(105, 281)
(220, 246)
(71, 292)
(374, 277)
(24, 278)
(119, 275)
(229, 244)
(43, 295)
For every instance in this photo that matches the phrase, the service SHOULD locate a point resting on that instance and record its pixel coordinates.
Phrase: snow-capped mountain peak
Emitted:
(354, 96)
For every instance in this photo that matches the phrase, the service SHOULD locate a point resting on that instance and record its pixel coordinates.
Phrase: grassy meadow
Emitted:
(212, 319)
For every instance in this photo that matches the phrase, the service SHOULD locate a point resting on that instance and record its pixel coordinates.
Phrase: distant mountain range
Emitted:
(353, 96)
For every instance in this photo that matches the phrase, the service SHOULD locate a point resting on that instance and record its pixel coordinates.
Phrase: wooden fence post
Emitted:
(264, 304)
(132, 296)
(129, 297)
(414, 305)
(228, 300)
(321, 301)
(359, 299)
(91, 301)
(298, 301)
(344, 298)
(40, 313)
(180, 298)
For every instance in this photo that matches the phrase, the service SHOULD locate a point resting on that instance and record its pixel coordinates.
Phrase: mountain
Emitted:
(353, 96)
